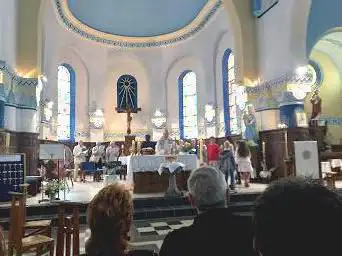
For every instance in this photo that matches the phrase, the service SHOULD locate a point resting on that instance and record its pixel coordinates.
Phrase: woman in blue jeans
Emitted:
(227, 163)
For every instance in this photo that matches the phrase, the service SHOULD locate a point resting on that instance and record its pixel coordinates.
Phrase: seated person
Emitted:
(299, 218)
(148, 143)
(216, 230)
(164, 145)
(110, 216)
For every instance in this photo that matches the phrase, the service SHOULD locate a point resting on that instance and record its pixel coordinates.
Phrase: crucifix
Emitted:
(127, 103)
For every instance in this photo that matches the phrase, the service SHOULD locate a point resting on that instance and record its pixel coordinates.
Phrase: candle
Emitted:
(201, 150)
(286, 150)
(264, 150)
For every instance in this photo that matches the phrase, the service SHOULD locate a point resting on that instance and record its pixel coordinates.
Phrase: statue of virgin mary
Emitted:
(249, 119)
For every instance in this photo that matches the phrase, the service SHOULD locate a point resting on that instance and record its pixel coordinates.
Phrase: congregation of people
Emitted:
(231, 158)
(295, 217)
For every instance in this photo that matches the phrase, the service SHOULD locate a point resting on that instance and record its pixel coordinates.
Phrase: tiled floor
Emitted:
(144, 234)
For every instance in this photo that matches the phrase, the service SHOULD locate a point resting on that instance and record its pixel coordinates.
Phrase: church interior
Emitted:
(142, 93)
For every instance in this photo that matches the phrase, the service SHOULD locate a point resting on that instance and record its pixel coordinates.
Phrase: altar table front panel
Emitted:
(142, 172)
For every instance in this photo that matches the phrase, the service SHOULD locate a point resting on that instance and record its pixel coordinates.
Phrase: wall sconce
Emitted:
(158, 120)
(97, 119)
(209, 113)
(47, 110)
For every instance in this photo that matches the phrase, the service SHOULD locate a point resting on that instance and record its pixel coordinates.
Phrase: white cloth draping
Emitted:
(172, 167)
(153, 163)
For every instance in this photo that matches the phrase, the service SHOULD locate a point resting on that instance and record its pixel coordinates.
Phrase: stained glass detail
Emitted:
(64, 100)
(127, 93)
(190, 105)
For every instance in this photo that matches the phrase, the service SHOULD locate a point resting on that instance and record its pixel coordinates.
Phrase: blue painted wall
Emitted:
(225, 93)
(136, 17)
(324, 15)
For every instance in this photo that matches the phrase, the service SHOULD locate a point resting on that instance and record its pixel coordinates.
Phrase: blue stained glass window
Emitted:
(188, 105)
(230, 87)
(66, 105)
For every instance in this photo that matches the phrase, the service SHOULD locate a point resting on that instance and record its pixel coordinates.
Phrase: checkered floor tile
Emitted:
(161, 228)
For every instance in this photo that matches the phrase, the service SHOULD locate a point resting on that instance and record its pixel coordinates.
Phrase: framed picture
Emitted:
(301, 119)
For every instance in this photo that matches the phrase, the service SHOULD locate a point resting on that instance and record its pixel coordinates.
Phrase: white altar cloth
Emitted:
(152, 163)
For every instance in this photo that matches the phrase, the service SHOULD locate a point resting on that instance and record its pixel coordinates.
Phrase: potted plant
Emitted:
(53, 187)
(187, 148)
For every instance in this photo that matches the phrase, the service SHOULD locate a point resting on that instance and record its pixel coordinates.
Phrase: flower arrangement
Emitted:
(54, 186)
(187, 147)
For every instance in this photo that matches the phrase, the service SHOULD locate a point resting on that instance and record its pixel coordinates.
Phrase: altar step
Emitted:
(144, 209)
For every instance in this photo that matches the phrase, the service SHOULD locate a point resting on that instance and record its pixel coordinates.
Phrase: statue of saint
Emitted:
(316, 102)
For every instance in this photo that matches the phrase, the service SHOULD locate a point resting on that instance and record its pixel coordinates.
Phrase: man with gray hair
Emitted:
(216, 230)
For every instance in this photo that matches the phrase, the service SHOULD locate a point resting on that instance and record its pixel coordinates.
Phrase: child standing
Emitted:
(227, 163)
(243, 159)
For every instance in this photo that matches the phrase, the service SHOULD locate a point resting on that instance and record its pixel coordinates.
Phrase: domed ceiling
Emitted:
(136, 17)
(136, 23)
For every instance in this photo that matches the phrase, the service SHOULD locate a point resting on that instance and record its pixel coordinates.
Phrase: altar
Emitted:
(142, 172)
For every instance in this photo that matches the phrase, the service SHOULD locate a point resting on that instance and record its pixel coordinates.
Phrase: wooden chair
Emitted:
(42, 227)
(16, 240)
(2, 243)
(68, 229)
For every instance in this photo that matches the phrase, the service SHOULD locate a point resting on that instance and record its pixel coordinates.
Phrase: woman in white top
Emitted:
(243, 160)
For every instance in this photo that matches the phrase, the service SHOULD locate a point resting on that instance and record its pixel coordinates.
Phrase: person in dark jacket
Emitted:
(227, 164)
(215, 230)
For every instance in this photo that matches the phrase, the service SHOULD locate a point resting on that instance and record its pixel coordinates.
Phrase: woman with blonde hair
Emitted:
(110, 215)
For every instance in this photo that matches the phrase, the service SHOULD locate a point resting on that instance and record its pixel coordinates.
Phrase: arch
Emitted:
(66, 85)
(130, 64)
(187, 91)
(172, 92)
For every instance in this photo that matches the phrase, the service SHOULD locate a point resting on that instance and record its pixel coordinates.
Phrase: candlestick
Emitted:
(201, 150)
(286, 149)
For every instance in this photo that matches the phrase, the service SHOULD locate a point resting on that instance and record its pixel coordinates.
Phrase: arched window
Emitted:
(229, 94)
(66, 103)
(127, 93)
(187, 84)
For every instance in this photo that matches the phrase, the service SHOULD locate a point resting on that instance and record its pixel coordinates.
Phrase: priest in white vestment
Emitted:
(79, 153)
(164, 145)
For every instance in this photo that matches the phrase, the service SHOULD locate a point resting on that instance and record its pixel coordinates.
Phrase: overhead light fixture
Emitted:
(159, 119)
(302, 71)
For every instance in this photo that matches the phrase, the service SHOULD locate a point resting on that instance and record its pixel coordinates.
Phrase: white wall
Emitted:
(8, 35)
(281, 35)
(156, 70)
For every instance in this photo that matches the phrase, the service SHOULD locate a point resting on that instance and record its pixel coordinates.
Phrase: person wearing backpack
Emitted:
(227, 164)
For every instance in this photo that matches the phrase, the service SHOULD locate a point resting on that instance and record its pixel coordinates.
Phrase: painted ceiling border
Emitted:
(73, 24)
